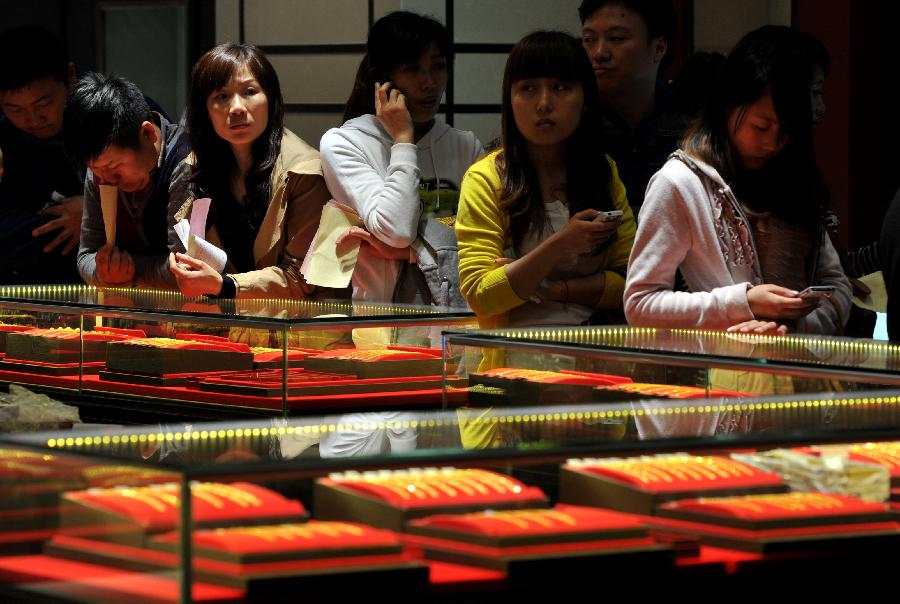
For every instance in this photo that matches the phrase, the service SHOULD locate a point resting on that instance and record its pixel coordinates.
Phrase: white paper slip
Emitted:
(199, 248)
(109, 199)
(326, 263)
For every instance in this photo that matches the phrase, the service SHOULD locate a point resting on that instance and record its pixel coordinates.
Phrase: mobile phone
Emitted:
(817, 291)
(609, 216)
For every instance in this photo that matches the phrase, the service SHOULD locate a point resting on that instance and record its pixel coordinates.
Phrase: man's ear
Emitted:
(149, 132)
(72, 74)
(660, 46)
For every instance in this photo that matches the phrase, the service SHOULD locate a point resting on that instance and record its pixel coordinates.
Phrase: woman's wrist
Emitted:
(228, 288)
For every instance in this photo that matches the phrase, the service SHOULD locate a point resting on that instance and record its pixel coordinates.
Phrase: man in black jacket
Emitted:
(41, 193)
(627, 41)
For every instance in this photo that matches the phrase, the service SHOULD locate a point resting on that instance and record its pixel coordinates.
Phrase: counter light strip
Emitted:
(88, 441)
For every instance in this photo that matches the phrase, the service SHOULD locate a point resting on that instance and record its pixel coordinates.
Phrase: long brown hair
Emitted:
(551, 54)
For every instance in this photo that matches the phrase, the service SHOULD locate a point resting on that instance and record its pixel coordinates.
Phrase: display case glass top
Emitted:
(270, 310)
(850, 358)
(484, 435)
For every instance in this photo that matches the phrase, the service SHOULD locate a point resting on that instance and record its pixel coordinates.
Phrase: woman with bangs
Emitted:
(392, 161)
(737, 210)
(265, 183)
(541, 240)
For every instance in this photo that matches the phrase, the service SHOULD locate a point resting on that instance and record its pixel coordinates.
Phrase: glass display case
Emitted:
(238, 357)
(347, 506)
(597, 364)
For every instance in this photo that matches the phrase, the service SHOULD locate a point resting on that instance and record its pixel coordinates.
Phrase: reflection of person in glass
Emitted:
(366, 434)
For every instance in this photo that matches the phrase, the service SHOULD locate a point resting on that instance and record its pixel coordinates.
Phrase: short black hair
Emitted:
(29, 53)
(658, 15)
(102, 111)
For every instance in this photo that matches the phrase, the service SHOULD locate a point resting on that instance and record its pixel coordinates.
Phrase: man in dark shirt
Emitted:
(41, 190)
(110, 127)
(627, 41)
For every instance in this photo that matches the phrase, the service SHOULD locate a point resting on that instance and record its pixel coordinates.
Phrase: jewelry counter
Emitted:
(345, 506)
(195, 357)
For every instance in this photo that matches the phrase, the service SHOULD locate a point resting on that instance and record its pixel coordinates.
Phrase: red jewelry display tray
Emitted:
(635, 391)
(862, 526)
(386, 506)
(57, 579)
(511, 386)
(392, 361)
(776, 511)
(269, 543)
(301, 382)
(639, 485)
(510, 528)
(73, 369)
(562, 540)
(255, 578)
(156, 508)
(357, 401)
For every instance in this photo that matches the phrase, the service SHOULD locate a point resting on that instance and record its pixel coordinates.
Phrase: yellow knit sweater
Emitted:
(482, 228)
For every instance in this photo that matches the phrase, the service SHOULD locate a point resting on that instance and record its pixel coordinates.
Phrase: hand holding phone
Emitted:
(609, 216)
(814, 292)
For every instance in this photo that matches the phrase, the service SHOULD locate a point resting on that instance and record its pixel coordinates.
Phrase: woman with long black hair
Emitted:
(544, 226)
(265, 183)
(392, 161)
(738, 209)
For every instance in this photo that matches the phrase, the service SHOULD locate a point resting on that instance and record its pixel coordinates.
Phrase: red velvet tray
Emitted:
(156, 508)
(269, 577)
(355, 401)
(57, 579)
(562, 540)
(64, 345)
(867, 532)
(392, 361)
(561, 524)
(781, 510)
(620, 392)
(161, 356)
(390, 499)
(301, 382)
(441, 488)
(638, 485)
(66, 369)
(516, 386)
(311, 540)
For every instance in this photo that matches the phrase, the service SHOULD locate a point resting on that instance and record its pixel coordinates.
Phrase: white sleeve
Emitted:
(664, 237)
(389, 206)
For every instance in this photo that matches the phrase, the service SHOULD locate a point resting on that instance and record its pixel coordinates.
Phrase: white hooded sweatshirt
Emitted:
(391, 185)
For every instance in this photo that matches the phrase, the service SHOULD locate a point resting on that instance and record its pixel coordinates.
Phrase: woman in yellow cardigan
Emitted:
(544, 227)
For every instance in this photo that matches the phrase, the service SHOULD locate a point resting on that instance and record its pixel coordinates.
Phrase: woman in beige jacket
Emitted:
(265, 183)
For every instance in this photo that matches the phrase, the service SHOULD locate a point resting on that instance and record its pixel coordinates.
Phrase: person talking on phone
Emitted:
(737, 210)
(392, 160)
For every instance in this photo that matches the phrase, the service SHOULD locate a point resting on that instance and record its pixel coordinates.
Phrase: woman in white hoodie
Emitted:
(392, 160)
(737, 211)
